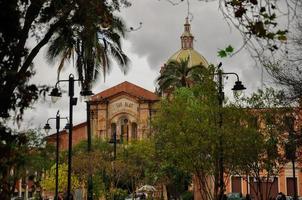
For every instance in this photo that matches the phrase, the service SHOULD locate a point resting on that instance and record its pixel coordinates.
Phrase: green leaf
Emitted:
(282, 38)
(229, 49)
(222, 53)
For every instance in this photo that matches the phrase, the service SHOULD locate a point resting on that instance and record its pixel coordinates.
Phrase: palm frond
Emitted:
(178, 74)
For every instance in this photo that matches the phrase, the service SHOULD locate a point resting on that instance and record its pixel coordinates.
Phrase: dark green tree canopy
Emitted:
(178, 74)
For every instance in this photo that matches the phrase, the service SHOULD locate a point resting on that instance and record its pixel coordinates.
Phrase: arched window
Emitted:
(124, 128)
(134, 131)
(113, 132)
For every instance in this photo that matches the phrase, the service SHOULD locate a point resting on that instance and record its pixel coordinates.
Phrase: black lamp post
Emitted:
(55, 94)
(47, 129)
(291, 148)
(237, 88)
(87, 93)
(114, 141)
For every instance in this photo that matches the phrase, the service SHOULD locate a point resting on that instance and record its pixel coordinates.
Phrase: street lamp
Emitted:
(47, 129)
(238, 87)
(291, 148)
(56, 94)
(87, 94)
(114, 141)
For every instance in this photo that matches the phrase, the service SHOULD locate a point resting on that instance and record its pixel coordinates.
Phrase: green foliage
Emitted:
(23, 154)
(187, 195)
(179, 74)
(134, 165)
(97, 163)
(94, 38)
(265, 160)
(187, 133)
(118, 194)
(222, 53)
(48, 183)
(267, 98)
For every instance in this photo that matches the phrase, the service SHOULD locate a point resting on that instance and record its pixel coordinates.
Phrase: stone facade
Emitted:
(125, 110)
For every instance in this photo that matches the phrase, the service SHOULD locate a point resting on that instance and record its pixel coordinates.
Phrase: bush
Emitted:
(187, 195)
(117, 194)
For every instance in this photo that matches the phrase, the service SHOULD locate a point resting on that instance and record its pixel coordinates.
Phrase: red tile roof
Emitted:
(52, 136)
(128, 88)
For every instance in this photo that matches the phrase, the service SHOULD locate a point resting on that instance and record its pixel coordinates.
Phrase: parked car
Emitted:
(136, 196)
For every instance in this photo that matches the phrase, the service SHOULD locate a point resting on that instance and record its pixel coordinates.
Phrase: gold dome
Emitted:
(195, 58)
(187, 50)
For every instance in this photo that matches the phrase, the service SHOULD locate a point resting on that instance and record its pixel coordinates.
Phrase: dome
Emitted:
(195, 58)
(187, 50)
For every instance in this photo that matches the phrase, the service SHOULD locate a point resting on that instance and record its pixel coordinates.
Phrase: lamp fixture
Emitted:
(86, 94)
(47, 128)
(55, 94)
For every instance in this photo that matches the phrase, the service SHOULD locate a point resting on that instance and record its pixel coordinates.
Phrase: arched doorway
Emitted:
(125, 127)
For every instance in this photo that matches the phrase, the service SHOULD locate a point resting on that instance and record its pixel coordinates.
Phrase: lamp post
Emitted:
(47, 129)
(237, 87)
(87, 93)
(55, 94)
(114, 141)
(291, 148)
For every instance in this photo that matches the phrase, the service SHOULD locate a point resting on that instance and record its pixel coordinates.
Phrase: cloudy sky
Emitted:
(149, 48)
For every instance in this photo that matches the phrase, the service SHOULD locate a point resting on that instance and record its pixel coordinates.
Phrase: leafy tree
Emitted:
(187, 134)
(175, 179)
(266, 159)
(23, 154)
(48, 182)
(132, 167)
(96, 162)
(91, 40)
(267, 98)
(139, 157)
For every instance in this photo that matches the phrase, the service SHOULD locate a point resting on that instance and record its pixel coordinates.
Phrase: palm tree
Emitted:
(91, 43)
(179, 74)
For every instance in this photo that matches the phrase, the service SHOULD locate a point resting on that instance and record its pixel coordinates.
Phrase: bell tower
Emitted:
(187, 38)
